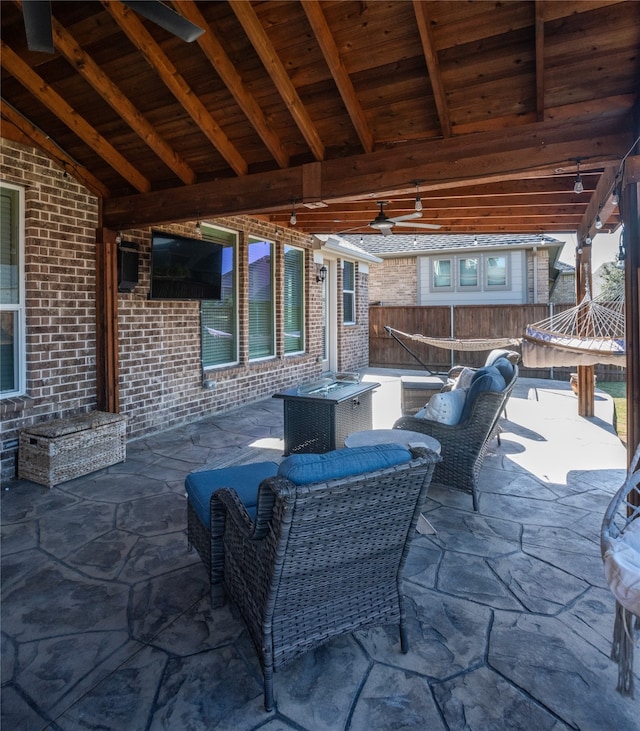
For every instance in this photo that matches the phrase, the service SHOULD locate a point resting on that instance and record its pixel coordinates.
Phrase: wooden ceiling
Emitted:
(481, 108)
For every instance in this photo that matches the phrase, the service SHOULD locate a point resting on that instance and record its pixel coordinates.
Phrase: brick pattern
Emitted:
(394, 282)
(161, 377)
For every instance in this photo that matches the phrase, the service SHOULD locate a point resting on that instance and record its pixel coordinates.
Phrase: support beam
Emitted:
(630, 205)
(541, 148)
(107, 361)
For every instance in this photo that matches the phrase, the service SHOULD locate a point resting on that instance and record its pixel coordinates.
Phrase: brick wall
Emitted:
(60, 221)
(394, 281)
(161, 378)
(353, 340)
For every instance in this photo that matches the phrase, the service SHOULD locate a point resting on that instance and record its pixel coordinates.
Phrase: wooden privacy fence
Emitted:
(462, 322)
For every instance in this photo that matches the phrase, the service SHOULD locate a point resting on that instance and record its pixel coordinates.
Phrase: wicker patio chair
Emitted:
(319, 560)
(464, 445)
(620, 547)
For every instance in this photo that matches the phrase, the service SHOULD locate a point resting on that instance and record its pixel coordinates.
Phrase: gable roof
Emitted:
(397, 245)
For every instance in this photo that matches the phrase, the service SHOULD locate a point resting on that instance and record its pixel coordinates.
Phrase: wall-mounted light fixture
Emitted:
(322, 274)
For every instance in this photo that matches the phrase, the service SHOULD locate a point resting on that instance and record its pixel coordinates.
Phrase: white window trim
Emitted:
(20, 307)
(352, 292)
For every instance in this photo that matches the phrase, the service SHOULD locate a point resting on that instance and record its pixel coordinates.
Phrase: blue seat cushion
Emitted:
(245, 480)
(305, 469)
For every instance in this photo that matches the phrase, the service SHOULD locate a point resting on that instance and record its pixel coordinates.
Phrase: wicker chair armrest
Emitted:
(419, 452)
(432, 428)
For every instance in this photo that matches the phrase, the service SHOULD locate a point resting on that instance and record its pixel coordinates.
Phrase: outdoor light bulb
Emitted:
(615, 198)
(578, 187)
(598, 223)
(418, 203)
(198, 230)
(587, 241)
(119, 237)
(475, 240)
(293, 220)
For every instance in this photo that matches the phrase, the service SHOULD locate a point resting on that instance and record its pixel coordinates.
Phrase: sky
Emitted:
(603, 249)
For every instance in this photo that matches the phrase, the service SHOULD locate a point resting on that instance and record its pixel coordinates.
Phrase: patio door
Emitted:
(329, 314)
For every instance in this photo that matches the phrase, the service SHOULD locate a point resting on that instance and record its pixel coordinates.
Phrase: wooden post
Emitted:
(630, 209)
(586, 389)
(107, 363)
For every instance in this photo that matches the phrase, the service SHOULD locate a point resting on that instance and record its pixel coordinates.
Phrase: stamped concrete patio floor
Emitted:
(106, 622)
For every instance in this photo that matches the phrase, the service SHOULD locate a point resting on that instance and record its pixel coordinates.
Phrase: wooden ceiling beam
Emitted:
(37, 138)
(538, 149)
(93, 74)
(58, 106)
(599, 199)
(213, 50)
(269, 57)
(433, 66)
(327, 44)
(168, 73)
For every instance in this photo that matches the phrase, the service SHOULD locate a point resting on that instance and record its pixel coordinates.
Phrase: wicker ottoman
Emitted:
(63, 449)
(416, 391)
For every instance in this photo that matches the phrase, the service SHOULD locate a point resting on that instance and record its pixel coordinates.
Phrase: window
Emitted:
(468, 273)
(293, 300)
(261, 312)
(12, 343)
(348, 293)
(442, 278)
(496, 267)
(218, 319)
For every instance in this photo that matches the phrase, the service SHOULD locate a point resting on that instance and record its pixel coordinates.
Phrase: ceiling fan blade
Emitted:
(408, 217)
(37, 25)
(166, 18)
(419, 225)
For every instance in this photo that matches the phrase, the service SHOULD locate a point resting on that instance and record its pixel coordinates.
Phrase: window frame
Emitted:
(507, 271)
(469, 287)
(348, 293)
(301, 311)
(452, 271)
(18, 308)
(216, 233)
(252, 241)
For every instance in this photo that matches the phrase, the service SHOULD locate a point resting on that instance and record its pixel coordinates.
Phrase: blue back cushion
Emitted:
(506, 369)
(305, 469)
(245, 480)
(482, 382)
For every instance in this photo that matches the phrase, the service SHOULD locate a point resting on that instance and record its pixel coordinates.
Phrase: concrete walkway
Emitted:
(106, 622)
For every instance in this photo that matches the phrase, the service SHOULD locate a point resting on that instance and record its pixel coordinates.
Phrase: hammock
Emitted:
(457, 343)
(590, 333)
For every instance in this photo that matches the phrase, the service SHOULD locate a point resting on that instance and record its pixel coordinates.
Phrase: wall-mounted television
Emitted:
(184, 268)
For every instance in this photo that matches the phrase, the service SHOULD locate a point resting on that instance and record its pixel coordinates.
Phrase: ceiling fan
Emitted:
(37, 22)
(384, 224)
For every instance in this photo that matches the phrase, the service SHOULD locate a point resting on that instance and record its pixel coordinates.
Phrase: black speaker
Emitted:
(127, 266)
